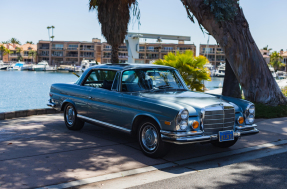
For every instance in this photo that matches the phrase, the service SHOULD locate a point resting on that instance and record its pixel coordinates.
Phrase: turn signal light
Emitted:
(240, 120)
(195, 125)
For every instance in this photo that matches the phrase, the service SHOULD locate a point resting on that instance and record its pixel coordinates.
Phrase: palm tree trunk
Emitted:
(115, 55)
(231, 85)
(241, 52)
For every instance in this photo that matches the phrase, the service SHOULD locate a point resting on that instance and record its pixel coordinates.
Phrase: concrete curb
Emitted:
(25, 113)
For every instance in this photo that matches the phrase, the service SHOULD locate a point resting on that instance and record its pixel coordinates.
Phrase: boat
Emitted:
(43, 66)
(220, 71)
(27, 67)
(281, 75)
(17, 67)
(211, 68)
(75, 69)
(3, 66)
(85, 64)
(64, 68)
(272, 71)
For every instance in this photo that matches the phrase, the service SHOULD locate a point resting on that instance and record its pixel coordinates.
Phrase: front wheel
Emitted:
(150, 139)
(226, 144)
(71, 120)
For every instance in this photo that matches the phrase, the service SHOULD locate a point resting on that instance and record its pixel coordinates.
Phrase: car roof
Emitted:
(126, 66)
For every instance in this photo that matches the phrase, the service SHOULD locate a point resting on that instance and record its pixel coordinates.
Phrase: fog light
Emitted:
(183, 125)
(240, 120)
(195, 125)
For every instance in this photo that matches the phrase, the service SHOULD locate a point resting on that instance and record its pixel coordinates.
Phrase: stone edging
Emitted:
(25, 113)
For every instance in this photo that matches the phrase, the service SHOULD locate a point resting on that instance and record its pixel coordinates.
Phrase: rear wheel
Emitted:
(150, 139)
(226, 144)
(71, 120)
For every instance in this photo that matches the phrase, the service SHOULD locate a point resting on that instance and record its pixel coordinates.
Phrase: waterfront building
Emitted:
(73, 52)
(214, 53)
(266, 55)
(13, 56)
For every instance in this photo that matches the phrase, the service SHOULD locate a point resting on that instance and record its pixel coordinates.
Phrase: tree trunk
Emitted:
(115, 55)
(242, 53)
(231, 85)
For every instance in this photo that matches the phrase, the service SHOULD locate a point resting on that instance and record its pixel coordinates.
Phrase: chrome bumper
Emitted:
(197, 137)
(51, 104)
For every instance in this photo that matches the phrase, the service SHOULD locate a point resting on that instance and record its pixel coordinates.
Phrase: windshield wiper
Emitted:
(164, 87)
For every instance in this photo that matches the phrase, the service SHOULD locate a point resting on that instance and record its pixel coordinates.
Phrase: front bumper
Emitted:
(197, 137)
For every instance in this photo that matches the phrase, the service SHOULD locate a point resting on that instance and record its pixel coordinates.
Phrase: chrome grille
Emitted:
(217, 119)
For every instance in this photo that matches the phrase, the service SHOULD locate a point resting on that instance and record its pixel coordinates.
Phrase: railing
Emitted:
(123, 56)
(211, 59)
(72, 48)
(219, 52)
(152, 50)
(44, 55)
(141, 50)
(87, 56)
(13, 55)
(44, 47)
(108, 56)
(107, 49)
(87, 49)
(167, 50)
(57, 55)
(57, 48)
(72, 55)
(149, 57)
(207, 52)
(123, 49)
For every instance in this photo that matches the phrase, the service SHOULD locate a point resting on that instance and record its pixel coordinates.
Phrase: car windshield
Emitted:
(150, 80)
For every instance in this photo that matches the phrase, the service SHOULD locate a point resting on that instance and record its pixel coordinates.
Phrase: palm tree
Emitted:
(49, 31)
(7, 51)
(190, 68)
(266, 48)
(29, 42)
(52, 32)
(114, 17)
(19, 51)
(275, 60)
(32, 54)
(2, 50)
(15, 41)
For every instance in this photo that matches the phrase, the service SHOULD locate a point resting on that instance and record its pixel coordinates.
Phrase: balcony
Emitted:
(57, 54)
(14, 55)
(211, 59)
(72, 55)
(107, 49)
(86, 55)
(43, 54)
(107, 56)
(123, 49)
(207, 52)
(87, 49)
(219, 52)
(44, 48)
(124, 57)
(152, 50)
(57, 48)
(72, 48)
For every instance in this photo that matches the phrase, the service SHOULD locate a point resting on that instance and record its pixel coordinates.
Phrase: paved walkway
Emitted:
(39, 150)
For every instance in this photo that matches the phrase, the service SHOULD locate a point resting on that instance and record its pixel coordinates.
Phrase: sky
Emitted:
(28, 20)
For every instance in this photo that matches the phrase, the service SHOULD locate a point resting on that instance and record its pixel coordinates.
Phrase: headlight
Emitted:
(251, 109)
(184, 114)
(182, 120)
(250, 119)
(183, 125)
(250, 114)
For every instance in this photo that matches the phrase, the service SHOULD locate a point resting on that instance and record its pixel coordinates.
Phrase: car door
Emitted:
(105, 100)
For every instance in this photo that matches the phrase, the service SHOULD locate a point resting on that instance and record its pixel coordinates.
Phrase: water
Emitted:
(22, 90)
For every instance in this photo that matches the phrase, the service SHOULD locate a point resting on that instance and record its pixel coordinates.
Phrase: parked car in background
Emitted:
(152, 103)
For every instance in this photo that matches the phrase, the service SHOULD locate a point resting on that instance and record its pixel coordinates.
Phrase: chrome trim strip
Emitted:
(180, 134)
(50, 104)
(104, 123)
(246, 127)
(218, 123)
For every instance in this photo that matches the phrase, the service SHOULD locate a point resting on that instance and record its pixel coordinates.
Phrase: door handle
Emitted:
(90, 97)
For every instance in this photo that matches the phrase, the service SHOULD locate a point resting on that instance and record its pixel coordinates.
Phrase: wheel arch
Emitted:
(138, 118)
(65, 102)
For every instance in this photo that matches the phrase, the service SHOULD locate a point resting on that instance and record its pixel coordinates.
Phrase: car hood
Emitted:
(189, 99)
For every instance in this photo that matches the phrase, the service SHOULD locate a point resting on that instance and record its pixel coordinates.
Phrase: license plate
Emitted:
(226, 136)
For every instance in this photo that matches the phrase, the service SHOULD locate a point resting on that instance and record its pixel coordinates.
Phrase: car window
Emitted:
(100, 79)
(150, 79)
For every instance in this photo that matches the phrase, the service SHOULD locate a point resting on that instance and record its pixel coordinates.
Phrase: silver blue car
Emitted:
(152, 103)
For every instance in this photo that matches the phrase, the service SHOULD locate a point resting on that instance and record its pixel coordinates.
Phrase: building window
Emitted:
(58, 46)
(57, 53)
(87, 54)
(72, 47)
(26, 53)
(45, 53)
(45, 46)
(208, 50)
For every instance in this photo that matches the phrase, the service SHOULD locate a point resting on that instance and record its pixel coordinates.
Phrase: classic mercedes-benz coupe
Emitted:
(152, 103)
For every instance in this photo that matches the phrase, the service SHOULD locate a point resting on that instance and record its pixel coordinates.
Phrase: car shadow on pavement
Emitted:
(41, 151)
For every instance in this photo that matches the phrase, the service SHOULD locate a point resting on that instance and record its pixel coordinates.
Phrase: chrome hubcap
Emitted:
(70, 115)
(149, 137)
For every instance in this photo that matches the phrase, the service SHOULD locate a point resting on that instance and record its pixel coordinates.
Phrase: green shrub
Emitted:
(264, 111)
(284, 91)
